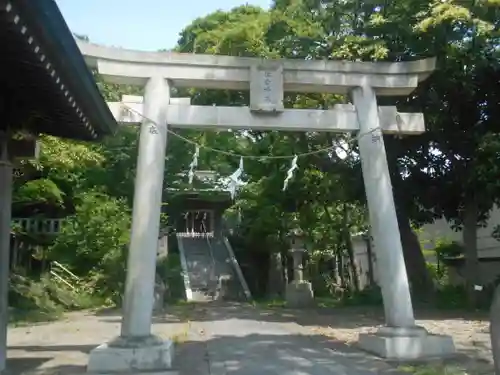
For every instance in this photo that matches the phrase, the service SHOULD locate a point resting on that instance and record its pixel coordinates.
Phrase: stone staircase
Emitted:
(209, 270)
(229, 284)
(200, 268)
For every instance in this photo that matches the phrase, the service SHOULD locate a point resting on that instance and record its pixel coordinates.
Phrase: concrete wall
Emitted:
(488, 247)
(361, 259)
(162, 247)
(489, 272)
(489, 268)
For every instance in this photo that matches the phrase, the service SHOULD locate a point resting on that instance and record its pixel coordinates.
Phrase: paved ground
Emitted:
(241, 340)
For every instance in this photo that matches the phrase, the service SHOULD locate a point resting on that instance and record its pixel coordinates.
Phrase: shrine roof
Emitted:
(44, 78)
(206, 194)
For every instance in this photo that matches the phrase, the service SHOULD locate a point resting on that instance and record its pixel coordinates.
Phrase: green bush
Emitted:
(170, 271)
(44, 299)
(438, 273)
(371, 296)
(93, 244)
(448, 249)
(71, 299)
(451, 297)
(324, 284)
(31, 300)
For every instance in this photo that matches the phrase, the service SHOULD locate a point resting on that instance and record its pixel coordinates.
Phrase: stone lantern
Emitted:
(299, 293)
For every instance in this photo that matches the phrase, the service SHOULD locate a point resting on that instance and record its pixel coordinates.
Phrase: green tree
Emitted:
(448, 168)
(266, 210)
(93, 243)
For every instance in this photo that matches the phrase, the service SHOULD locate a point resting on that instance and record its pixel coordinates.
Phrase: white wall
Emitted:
(162, 248)
(488, 247)
(361, 259)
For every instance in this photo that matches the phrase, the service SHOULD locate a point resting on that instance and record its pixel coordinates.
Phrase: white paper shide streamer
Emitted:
(193, 164)
(234, 179)
(289, 173)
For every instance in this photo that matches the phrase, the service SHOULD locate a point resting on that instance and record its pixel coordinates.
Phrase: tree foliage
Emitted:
(94, 242)
(451, 170)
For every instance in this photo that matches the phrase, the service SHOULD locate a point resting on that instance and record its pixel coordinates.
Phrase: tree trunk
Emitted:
(418, 275)
(369, 255)
(275, 282)
(352, 263)
(285, 267)
(15, 253)
(350, 251)
(335, 270)
(470, 251)
(495, 329)
(340, 268)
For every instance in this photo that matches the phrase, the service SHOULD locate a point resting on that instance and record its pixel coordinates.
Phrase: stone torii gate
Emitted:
(267, 80)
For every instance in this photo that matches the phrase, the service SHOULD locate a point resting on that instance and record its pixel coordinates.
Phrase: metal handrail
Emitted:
(57, 269)
(236, 266)
(65, 270)
(213, 275)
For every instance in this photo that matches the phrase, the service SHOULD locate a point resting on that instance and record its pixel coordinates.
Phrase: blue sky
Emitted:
(140, 24)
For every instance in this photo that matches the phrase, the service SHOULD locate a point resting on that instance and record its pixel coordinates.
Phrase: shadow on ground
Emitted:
(240, 339)
(54, 348)
(249, 354)
(338, 317)
(313, 321)
(281, 354)
(37, 366)
(217, 311)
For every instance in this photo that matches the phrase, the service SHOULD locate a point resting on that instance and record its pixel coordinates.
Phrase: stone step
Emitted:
(200, 269)
(198, 255)
(199, 280)
(207, 266)
(200, 264)
(199, 259)
(197, 273)
(204, 278)
(201, 290)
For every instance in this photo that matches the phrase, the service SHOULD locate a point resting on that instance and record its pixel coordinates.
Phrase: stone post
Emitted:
(136, 349)
(298, 268)
(495, 329)
(5, 226)
(401, 338)
(299, 292)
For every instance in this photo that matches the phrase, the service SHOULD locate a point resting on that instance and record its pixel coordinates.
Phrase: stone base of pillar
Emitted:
(150, 354)
(407, 344)
(299, 294)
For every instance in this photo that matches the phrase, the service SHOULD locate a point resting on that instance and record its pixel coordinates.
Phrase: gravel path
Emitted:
(213, 339)
(62, 347)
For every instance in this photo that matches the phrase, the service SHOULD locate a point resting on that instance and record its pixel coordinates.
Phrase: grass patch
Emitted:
(368, 297)
(21, 318)
(43, 300)
(170, 271)
(269, 303)
(432, 369)
(181, 337)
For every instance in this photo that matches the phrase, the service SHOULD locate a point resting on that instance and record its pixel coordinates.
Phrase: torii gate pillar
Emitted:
(136, 349)
(401, 338)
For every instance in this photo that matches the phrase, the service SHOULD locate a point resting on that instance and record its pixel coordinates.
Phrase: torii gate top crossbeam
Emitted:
(226, 72)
